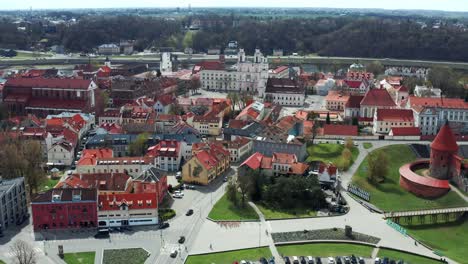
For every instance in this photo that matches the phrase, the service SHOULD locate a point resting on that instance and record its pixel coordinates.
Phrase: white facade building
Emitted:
(61, 154)
(285, 92)
(166, 62)
(245, 76)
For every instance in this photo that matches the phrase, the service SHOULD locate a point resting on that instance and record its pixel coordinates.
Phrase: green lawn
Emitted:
(272, 213)
(325, 250)
(367, 145)
(225, 210)
(48, 184)
(388, 196)
(329, 153)
(406, 257)
(230, 257)
(450, 238)
(80, 258)
(125, 256)
(2, 262)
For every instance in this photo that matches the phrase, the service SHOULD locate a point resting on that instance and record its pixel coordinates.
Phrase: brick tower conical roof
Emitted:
(445, 140)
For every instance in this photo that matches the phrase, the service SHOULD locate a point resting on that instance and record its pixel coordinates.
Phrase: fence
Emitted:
(359, 192)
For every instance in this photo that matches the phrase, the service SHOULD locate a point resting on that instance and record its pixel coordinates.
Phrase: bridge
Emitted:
(434, 214)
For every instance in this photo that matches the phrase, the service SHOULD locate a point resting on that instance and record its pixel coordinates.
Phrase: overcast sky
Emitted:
(448, 5)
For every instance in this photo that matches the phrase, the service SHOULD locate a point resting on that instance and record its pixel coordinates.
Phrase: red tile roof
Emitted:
(399, 115)
(134, 201)
(90, 156)
(208, 65)
(354, 101)
(438, 102)
(378, 97)
(165, 148)
(56, 104)
(100, 181)
(406, 131)
(280, 69)
(284, 158)
(166, 99)
(336, 96)
(49, 83)
(340, 130)
(301, 114)
(445, 140)
(353, 84)
(299, 168)
(238, 124)
(211, 155)
(254, 161)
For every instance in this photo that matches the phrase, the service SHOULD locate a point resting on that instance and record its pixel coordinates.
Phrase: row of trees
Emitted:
(23, 158)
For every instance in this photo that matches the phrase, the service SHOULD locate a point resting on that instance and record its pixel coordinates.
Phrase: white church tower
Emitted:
(166, 62)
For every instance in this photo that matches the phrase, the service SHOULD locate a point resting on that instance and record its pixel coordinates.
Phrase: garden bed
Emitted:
(322, 234)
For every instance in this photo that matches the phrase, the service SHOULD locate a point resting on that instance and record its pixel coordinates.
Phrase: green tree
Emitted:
(349, 143)
(447, 80)
(138, 147)
(377, 166)
(231, 192)
(376, 67)
(32, 154)
(234, 97)
(346, 157)
(245, 184)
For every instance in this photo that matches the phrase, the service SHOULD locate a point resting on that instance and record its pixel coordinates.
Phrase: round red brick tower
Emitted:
(443, 149)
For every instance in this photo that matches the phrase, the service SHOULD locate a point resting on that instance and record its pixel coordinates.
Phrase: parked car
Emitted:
(310, 260)
(164, 225)
(225, 179)
(263, 260)
(295, 260)
(361, 260)
(347, 260)
(178, 195)
(173, 253)
(189, 212)
(287, 260)
(377, 261)
(318, 260)
(102, 233)
(191, 187)
(179, 192)
(181, 239)
(178, 174)
(385, 260)
(303, 260)
(338, 260)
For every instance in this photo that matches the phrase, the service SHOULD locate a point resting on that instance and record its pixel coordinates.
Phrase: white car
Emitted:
(178, 195)
(178, 174)
(331, 260)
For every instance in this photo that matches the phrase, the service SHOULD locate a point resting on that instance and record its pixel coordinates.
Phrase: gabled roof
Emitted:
(254, 161)
(165, 148)
(445, 140)
(453, 103)
(378, 97)
(65, 195)
(90, 156)
(134, 201)
(284, 158)
(166, 99)
(354, 101)
(100, 181)
(79, 84)
(341, 130)
(353, 84)
(399, 115)
(406, 131)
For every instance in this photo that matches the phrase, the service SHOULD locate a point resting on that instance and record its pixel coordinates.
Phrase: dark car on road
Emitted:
(318, 260)
(164, 225)
(263, 261)
(102, 233)
(173, 253)
(303, 260)
(181, 240)
(189, 212)
(287, 260)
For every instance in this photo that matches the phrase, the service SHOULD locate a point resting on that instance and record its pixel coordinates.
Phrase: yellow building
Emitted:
(206, 164)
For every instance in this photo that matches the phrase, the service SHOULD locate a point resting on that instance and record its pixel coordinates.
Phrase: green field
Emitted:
(125, 256)
(325, 250)
(2, 262)
(367, 145)
(230, 257)
(406, 257)
(329, 153)
(79, 258)
(388, 195)
(450, 238)
(225, 210)
(48, 184)
(272, 213)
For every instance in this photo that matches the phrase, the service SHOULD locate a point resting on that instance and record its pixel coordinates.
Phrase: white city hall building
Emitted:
(245, 76)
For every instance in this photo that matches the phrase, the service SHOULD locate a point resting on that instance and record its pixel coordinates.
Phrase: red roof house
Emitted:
(340, 130)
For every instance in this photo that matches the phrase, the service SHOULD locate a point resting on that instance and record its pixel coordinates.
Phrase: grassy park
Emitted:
(79, 258)
(48, 184)
(274, 213)
(125, 256)
(325, 250)
(226, 210)
(329, 153)
(230, 257)
(407, 257)
(388, 195)
(367, 145)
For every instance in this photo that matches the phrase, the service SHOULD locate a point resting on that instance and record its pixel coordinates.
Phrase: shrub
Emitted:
(166, 214)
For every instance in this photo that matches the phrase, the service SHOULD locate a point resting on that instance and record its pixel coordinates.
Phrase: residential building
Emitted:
(336, 101)
(246, 76)
(48, 96)
(284, 91)
(206, 164)
(151, 180)
(356, 86)
(64, 209)
(129, 165)
(164, 103)
(61, 154)
(209, 124)
(254, 111)
(323, 86)
(386, 119)
(405, 132)
(424, 91)
(408, 71)
(327, 174)
(167, 155)
(13, 204)
(279, 72)
(340, 130)
(109, 49)
(103, 182)
(126, 46)
(431, 113)
(277, 164)
(267, 144)
(110, 116)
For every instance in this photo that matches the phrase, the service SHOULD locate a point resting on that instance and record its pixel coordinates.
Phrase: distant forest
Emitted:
(377, 37)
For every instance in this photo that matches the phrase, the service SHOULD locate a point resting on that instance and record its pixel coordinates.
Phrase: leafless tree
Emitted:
(23, 253)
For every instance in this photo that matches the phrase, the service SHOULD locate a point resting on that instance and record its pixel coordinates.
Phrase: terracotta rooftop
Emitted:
(341, 130)
(406, 131)
(65, 195)
(336, 96)
(445, 140)
(354, 101)
(399, 115)
(283, 85)
(134, 201)
(378, 97)
(453, 103)
(79, 84)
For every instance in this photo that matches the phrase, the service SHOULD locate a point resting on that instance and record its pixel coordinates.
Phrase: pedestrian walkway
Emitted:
(375, 252)
(463, 196)
(271, 243)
